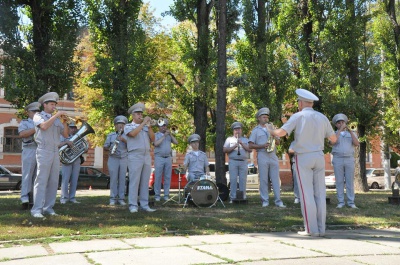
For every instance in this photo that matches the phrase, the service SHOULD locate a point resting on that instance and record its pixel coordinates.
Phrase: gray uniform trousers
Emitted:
(344, 172)
(310, 169)
(139, 164)
(28, 172)
(48, 170)
(163, 166)
(295, 183)
(237, 169)
(117, 167)
(268, 166)
(69, 181)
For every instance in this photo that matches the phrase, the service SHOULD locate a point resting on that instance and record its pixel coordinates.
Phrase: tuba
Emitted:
(80, 145)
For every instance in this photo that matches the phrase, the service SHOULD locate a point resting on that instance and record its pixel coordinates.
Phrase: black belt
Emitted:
(28, 142)
(164, 156)
(237, 159)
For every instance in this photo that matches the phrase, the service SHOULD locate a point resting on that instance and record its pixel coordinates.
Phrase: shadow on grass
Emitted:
(94, 217)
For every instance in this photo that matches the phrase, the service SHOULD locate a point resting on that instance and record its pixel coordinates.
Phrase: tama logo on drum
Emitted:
(204, 188)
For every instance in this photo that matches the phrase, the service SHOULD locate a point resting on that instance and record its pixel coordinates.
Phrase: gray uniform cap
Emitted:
(262, 111)
(236, 125)
(138, 107)
(33, 106)
(49, 97)
(339, 117)
(194, 138)
(305, 95)
(120, 119)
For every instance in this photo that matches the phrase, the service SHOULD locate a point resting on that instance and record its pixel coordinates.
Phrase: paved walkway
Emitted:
(342, 247)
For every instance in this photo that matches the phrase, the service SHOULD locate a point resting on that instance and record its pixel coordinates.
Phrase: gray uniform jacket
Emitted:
(48, 139)
(259, 135)
(28, 142)
(122, 150)
(196, 163)
(164, 149)
(141, 142)
(344, 145)
(230, 142)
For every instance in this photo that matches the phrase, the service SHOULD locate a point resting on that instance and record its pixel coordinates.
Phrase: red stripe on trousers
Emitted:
(302, 194)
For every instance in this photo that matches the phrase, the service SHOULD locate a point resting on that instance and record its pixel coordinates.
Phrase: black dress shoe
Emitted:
(25, 206)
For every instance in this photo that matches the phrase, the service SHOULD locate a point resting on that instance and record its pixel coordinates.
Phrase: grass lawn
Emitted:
(93, 217)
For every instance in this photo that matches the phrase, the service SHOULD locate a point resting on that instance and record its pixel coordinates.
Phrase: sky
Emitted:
(161, 6)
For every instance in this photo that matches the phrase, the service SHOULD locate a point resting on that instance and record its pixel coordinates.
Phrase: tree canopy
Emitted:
(38, 54)
(346, 52)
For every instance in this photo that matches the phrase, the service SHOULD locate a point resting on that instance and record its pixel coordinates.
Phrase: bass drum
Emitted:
(202, 193)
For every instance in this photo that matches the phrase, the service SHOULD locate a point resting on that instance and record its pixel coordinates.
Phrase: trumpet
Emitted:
(174, 130)
(351, 127)
(65, 118)
(160, 122)
(151, 122)
(69, 120)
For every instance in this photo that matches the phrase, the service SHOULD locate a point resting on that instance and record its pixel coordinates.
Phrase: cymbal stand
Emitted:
(220, 200)
(179, 186)
(179, 191)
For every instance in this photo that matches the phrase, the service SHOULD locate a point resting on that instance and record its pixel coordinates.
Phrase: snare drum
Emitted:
(203, 193)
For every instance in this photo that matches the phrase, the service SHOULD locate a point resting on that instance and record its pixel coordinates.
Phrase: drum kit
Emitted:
(202, 192)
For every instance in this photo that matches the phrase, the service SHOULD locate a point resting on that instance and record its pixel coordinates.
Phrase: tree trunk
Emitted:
(200, 121)
(41, 37)
(391, 11)
(221, 94)
(360, 183)
(386, 160)
(202, 86)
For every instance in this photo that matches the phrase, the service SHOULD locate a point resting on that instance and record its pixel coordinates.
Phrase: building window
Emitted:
(368, 158)
(70, 95)
(12, 142)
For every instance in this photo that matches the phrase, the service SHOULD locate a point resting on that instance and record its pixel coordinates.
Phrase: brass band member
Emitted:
(196, 161)
(268, 163)
(163, 159)
(26, 130)
(47, 136)
(139, 136)
(310, 129)
(117, 160)
(237, 148)
(69, 172)
(343, 160)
